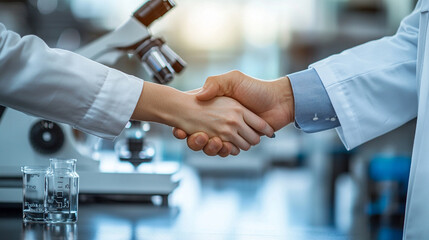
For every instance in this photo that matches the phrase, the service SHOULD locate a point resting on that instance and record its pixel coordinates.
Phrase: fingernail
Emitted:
(200, 140)
(273, 136)
(223, 151)
(235, 152)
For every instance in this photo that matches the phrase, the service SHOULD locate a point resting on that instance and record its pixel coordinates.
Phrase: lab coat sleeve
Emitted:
(65, 87)
(373, 87)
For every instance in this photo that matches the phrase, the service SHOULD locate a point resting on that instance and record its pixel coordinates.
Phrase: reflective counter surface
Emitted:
(271, 206)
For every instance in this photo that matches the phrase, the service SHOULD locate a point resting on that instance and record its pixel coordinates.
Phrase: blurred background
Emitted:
(298, 183)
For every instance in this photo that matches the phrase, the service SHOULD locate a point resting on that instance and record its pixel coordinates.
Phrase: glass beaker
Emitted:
(33, 192)
(62, 189)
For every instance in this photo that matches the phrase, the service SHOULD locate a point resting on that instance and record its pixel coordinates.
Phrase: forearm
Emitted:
(162, 104)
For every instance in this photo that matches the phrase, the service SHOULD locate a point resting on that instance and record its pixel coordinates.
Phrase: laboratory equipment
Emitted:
(133, 147)
(39, 140)
(62, 191)
(133, 37)
(33, 192)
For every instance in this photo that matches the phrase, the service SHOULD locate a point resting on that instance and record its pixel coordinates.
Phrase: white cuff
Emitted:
(113, 106)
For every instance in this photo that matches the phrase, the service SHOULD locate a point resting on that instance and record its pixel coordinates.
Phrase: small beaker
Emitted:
(62, 189)
(33, 192)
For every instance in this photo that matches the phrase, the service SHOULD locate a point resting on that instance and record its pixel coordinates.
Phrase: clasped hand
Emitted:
(243, 107)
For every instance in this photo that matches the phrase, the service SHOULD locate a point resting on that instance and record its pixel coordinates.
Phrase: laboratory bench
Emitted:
(274, 205)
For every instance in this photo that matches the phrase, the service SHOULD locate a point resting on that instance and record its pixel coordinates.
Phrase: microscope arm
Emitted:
(113, 44)
(133, 37)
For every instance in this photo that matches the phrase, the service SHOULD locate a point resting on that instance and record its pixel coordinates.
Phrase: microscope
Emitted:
(159, 61)
(27, 140)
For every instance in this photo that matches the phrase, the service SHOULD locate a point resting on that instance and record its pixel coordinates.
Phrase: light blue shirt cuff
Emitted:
(313, 108)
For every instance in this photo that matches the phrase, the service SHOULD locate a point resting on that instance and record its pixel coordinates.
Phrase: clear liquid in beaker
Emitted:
(33, 203)
(62, 191)
(62, 200)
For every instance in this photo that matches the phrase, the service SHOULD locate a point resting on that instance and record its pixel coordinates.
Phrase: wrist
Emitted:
(286, 98)
(181, 109)
(160, 104)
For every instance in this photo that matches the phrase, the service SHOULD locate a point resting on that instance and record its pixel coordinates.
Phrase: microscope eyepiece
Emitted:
(153, 10)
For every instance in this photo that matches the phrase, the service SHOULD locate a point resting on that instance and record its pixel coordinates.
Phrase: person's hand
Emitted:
(272, 101)
(221, 117)
(226, 119)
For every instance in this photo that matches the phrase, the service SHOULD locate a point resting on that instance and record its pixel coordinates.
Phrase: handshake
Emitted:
(231, 112)
(236, 111)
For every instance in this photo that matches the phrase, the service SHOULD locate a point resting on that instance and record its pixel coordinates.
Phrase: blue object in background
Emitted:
(390, 168)
(386, 233)
(388, 184)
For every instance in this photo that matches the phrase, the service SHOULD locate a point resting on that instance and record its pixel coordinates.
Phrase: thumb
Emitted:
(210, 90)
(221, 85)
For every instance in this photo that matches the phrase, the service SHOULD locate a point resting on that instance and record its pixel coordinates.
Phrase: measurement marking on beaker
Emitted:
(59, 194)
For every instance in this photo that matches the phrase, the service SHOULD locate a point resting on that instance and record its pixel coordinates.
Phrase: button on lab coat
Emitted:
(64, 87)
(377, 87)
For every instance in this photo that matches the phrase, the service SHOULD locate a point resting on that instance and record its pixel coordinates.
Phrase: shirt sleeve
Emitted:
(313, 108)
(64, 87)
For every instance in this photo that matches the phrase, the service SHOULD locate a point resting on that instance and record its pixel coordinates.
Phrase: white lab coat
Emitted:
(377, 87)
(64, 87)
